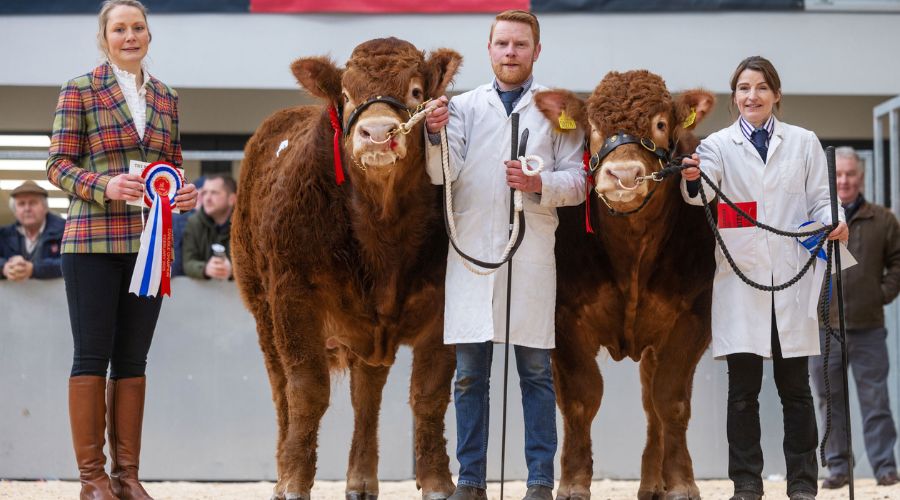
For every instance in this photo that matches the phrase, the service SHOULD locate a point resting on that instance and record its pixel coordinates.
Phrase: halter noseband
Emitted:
(621, 139)
(373, 100)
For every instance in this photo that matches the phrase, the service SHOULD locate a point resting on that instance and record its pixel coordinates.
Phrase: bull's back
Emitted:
(281, 191)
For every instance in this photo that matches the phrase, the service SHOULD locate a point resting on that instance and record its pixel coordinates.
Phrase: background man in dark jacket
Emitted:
(208, 226)
(868, 287)
(30, 247)
(179, 222)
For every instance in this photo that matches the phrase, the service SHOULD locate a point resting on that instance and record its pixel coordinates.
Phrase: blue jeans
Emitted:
(868, 358)
(472, 400)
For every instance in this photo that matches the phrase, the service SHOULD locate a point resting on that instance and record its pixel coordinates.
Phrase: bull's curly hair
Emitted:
(627, 101)
(389, 62)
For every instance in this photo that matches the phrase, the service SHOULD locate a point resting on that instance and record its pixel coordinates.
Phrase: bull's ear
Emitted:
(563, 108)
(693, 106)
(319, 76)
(442, 66)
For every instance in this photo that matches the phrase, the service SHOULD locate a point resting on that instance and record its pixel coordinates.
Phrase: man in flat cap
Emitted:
(30, 247)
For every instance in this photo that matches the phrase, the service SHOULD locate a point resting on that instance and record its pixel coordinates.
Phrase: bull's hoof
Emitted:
(649, 495)
(436, 495)
(296, 496)
(361, 495)
(680, 495)
(574, 496)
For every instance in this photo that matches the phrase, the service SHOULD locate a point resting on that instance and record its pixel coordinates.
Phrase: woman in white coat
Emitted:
(777, 173)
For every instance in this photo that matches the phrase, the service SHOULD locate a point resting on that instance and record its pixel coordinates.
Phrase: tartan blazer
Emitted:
(94, 139)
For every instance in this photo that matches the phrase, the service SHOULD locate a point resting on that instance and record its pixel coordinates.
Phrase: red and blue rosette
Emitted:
(153, 269)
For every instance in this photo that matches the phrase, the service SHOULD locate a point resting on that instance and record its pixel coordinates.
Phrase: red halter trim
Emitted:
(588, 185)
(338, 164)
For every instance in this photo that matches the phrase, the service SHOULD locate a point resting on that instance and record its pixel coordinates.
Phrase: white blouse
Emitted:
(135, 98)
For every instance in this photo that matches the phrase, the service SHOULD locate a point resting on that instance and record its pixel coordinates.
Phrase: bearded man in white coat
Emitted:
(478, 128)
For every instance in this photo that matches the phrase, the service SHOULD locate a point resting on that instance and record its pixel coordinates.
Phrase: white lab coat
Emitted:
(479, 136)
(791, 188)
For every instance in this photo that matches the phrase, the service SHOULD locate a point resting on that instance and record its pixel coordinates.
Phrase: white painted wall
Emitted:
(816, 53)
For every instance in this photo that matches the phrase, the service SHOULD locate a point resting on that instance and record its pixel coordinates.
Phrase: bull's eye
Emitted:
(345, 97)
(417, 93)
(661, 125)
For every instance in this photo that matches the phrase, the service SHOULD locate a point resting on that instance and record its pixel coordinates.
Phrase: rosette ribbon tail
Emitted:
(152, 270)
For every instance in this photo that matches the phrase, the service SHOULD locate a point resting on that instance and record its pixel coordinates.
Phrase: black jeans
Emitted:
(110, 326)
(745, 459)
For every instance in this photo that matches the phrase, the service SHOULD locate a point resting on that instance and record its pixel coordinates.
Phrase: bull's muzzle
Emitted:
(621, 180)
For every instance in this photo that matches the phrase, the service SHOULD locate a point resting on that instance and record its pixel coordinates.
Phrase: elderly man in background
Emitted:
(868, 287)
(29, 248)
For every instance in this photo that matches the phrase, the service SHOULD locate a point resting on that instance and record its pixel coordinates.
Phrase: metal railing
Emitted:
(24, 154)
(891, 110)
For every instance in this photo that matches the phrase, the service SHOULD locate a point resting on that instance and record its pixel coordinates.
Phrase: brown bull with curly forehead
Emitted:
(640, 286)
(339, 276)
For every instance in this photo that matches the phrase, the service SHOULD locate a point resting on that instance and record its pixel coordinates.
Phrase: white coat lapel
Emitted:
(776, 139)
(494, 100)
(525, 100)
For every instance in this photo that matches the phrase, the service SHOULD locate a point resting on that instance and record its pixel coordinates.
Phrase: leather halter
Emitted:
(621, 139)
(373, 100)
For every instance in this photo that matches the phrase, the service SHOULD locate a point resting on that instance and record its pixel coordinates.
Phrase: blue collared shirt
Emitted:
(525, 86)
(748, 129)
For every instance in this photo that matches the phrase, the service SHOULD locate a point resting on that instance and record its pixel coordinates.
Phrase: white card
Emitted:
(136, 167)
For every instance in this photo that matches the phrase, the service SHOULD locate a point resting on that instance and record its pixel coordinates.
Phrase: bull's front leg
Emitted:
(579, 390)
(676, 363)
(429, 395)
(652, 483)
(366, 389)
(301, 350)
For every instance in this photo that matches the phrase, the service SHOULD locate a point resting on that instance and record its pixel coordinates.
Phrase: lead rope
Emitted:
(517, 202)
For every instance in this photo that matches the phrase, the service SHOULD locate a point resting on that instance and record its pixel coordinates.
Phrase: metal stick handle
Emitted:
(832, 183)
(514, 151)
(836, 252)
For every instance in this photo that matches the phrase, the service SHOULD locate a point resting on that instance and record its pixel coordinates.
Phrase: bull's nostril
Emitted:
(364, 133)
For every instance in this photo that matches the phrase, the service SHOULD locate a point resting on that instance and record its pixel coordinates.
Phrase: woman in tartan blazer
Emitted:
(104, 119)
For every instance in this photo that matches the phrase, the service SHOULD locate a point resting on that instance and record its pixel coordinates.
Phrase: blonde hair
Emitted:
(103, 19)
(519, 16)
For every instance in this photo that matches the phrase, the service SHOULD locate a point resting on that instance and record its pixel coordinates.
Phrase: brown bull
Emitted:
(341, 275)
(640, 286)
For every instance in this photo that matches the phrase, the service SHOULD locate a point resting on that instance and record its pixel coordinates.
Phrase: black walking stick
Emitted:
(516, 150)
(835, 250)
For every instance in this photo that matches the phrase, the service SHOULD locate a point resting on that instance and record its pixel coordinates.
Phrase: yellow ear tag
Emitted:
(566, 122)
(691, 118)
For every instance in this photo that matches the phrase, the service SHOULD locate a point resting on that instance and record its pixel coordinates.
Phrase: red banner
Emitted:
(387, 6)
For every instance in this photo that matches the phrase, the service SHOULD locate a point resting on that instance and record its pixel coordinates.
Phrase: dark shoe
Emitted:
(888, 479)
(803, 495)
(746, 495)
(468, 493)
(538, 492)
(836, 481)
(125, 417)
(87, 415)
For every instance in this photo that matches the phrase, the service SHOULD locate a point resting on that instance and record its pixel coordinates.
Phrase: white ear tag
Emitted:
(281, 147)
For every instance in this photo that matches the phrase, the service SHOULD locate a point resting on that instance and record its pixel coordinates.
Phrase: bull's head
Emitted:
(384, 81)
(632, 125)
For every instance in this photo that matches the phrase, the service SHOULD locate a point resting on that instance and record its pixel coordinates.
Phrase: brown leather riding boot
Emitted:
(87, 415)
(125, 416)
